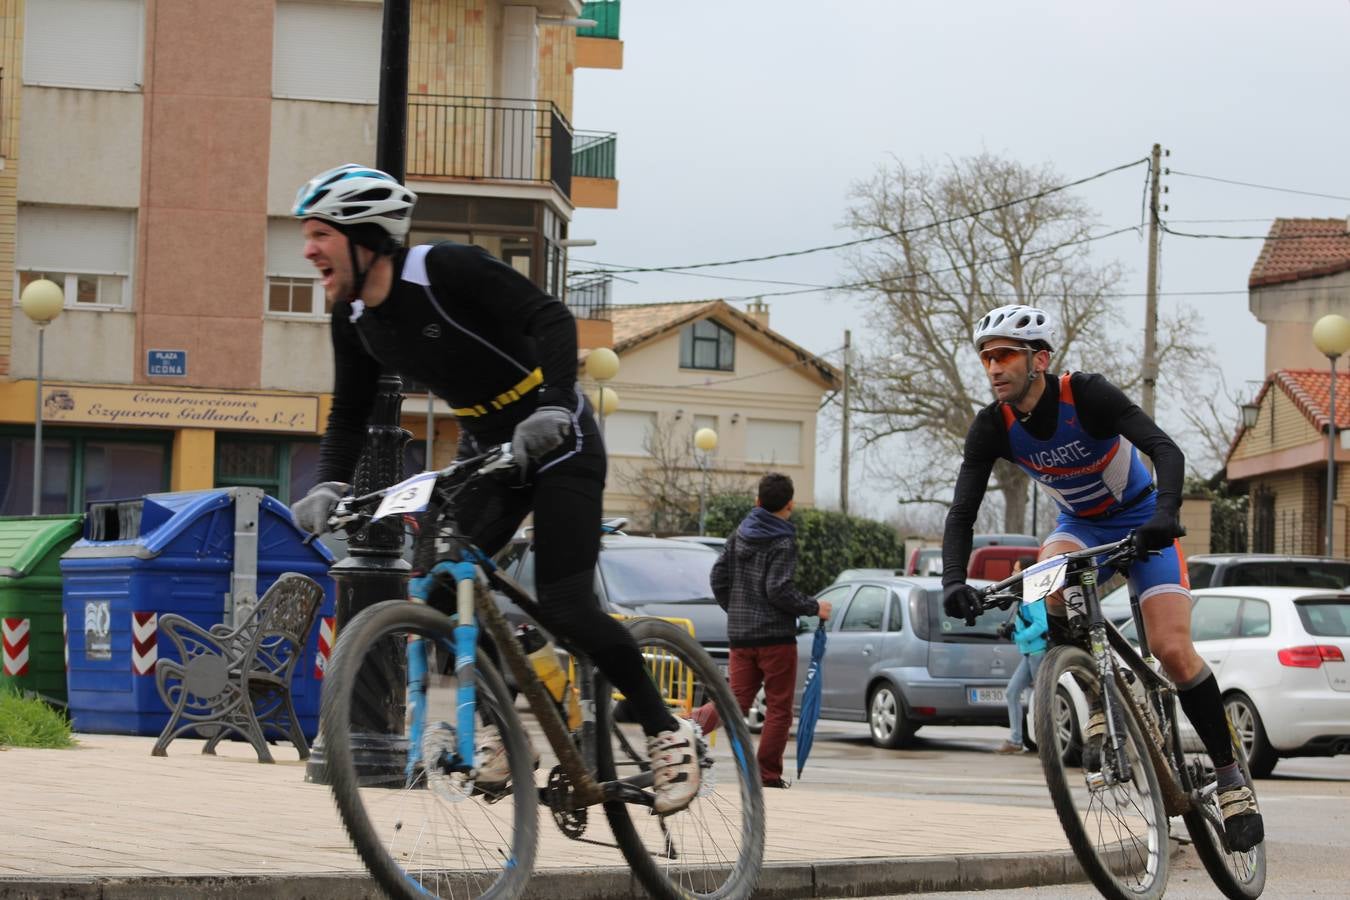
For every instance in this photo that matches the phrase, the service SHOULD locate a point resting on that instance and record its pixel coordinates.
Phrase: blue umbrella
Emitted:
(810, 714)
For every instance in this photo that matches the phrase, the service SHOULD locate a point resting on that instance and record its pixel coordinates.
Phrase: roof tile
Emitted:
(1302, 248)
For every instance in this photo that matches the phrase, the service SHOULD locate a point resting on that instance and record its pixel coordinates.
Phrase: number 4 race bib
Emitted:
(1044, 578)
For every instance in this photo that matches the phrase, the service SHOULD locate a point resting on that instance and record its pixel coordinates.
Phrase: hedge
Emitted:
(827, 541)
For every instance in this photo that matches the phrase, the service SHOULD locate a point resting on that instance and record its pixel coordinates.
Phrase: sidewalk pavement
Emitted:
(108, 820)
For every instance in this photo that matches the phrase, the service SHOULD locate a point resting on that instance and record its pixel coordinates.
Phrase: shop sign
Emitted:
(168, 408)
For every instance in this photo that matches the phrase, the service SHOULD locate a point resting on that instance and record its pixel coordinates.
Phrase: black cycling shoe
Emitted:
(1242, 823)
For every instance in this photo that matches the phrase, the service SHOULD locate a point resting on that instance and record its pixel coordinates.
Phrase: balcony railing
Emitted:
(490, 138)
(589, 298)
(593, 154)
(606, 16)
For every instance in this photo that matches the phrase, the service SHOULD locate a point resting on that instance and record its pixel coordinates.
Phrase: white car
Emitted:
(1279, 655)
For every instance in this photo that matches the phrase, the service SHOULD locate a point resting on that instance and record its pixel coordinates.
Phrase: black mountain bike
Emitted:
(432, 814)
(1115, 811)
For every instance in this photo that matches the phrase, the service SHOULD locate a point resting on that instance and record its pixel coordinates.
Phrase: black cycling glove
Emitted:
(961, 601)
(1158, 532)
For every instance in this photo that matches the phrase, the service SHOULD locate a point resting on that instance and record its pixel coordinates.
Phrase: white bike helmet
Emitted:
(1018, 323)
(351, 195)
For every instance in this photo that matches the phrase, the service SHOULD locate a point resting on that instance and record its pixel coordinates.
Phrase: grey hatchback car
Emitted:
(897, 662)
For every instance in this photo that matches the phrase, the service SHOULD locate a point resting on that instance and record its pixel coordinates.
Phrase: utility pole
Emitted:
(1149, 397)
(843, 453)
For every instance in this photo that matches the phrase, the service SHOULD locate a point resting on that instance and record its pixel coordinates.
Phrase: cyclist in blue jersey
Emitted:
(1080, 438)
(503, 354)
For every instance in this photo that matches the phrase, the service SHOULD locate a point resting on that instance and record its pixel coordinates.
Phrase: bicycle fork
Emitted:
(466, 643)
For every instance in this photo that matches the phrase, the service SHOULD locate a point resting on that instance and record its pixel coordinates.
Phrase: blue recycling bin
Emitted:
(189, 553)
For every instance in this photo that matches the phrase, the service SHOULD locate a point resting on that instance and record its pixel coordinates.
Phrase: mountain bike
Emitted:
(432, 814)
(1115, 812)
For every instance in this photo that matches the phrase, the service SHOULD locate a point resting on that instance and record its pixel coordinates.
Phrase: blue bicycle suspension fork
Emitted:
(466, 642)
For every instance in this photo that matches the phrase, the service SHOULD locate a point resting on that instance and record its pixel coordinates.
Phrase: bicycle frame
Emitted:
(1107, 646)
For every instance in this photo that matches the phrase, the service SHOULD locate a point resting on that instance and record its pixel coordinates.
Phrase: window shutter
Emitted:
(95, 44)
(327, 51)
(73, 239)
(772, 441)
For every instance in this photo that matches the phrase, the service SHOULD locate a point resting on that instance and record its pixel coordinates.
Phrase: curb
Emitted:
(818, 878)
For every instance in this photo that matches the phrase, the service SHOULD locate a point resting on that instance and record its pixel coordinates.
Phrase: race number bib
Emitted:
(1044, 578)
(410, 496)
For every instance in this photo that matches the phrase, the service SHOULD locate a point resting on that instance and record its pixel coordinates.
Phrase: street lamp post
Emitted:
(602, 364)
(1331, 334)
(42, 301)
(705, 440)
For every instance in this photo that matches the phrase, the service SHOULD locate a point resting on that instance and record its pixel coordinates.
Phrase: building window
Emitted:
(292, 288)
(284, 469)
(626, 432)
(707, 345)
(91, 44)
(94, 270)
(327, 51)
(80, 467)
(773, 442)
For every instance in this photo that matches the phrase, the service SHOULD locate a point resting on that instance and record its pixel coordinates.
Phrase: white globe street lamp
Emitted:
(1331, 334)
(602, 364)
(42, 301)
(705, 441)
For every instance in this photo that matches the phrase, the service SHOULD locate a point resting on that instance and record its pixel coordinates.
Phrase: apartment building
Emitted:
(151, 154)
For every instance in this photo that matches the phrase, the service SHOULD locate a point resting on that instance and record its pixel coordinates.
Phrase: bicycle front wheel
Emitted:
(715, 847)
(1112, 813)
(425, 830)
(1241, 876)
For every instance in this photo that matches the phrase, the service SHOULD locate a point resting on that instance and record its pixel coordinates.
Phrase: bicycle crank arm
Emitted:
(626, 792)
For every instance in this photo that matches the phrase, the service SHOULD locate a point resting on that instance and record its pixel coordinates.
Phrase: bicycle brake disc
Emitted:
(438, 742)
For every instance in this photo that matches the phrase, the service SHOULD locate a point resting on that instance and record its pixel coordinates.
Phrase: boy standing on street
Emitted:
(752, 581)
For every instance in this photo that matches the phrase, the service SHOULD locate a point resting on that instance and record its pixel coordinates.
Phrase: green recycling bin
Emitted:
(30, 602)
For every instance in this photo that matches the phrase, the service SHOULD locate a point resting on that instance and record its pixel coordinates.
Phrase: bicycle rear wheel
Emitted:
(436, 832)
(1241, 876)
(715, 847)
(1115, 821)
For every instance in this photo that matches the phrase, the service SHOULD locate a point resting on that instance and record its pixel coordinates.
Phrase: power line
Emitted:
(867, 240)
(1263, 187)
(1249, 237)
(879, 282)
(719, 381)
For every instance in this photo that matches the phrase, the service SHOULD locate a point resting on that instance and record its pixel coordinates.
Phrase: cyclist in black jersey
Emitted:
(1079, 438)
(503, 354)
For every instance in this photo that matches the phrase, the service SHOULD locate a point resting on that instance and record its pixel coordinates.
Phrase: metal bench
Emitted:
(238, 681)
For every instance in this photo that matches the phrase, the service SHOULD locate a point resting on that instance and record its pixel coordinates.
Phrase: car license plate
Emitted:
(986, 696)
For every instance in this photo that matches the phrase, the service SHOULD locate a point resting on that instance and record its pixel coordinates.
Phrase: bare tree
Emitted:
(669, 480)
(927, 287)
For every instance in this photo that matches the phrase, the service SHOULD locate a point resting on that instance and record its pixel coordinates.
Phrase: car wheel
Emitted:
(1261, 757)
(886, 718)
(1068, 735)
(754, 719)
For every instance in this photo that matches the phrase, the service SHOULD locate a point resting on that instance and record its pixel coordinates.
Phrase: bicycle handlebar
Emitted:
(1118, 551)
(355, 509)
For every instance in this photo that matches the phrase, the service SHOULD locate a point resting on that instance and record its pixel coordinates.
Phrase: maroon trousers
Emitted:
(775, 669)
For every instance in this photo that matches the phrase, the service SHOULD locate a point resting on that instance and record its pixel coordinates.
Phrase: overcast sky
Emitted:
(742, 125)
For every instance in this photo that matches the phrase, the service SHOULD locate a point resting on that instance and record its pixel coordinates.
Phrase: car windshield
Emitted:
(665, 574)
(1325, 616)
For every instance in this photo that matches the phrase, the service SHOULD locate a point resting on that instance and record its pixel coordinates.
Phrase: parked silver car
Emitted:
(897, 662)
